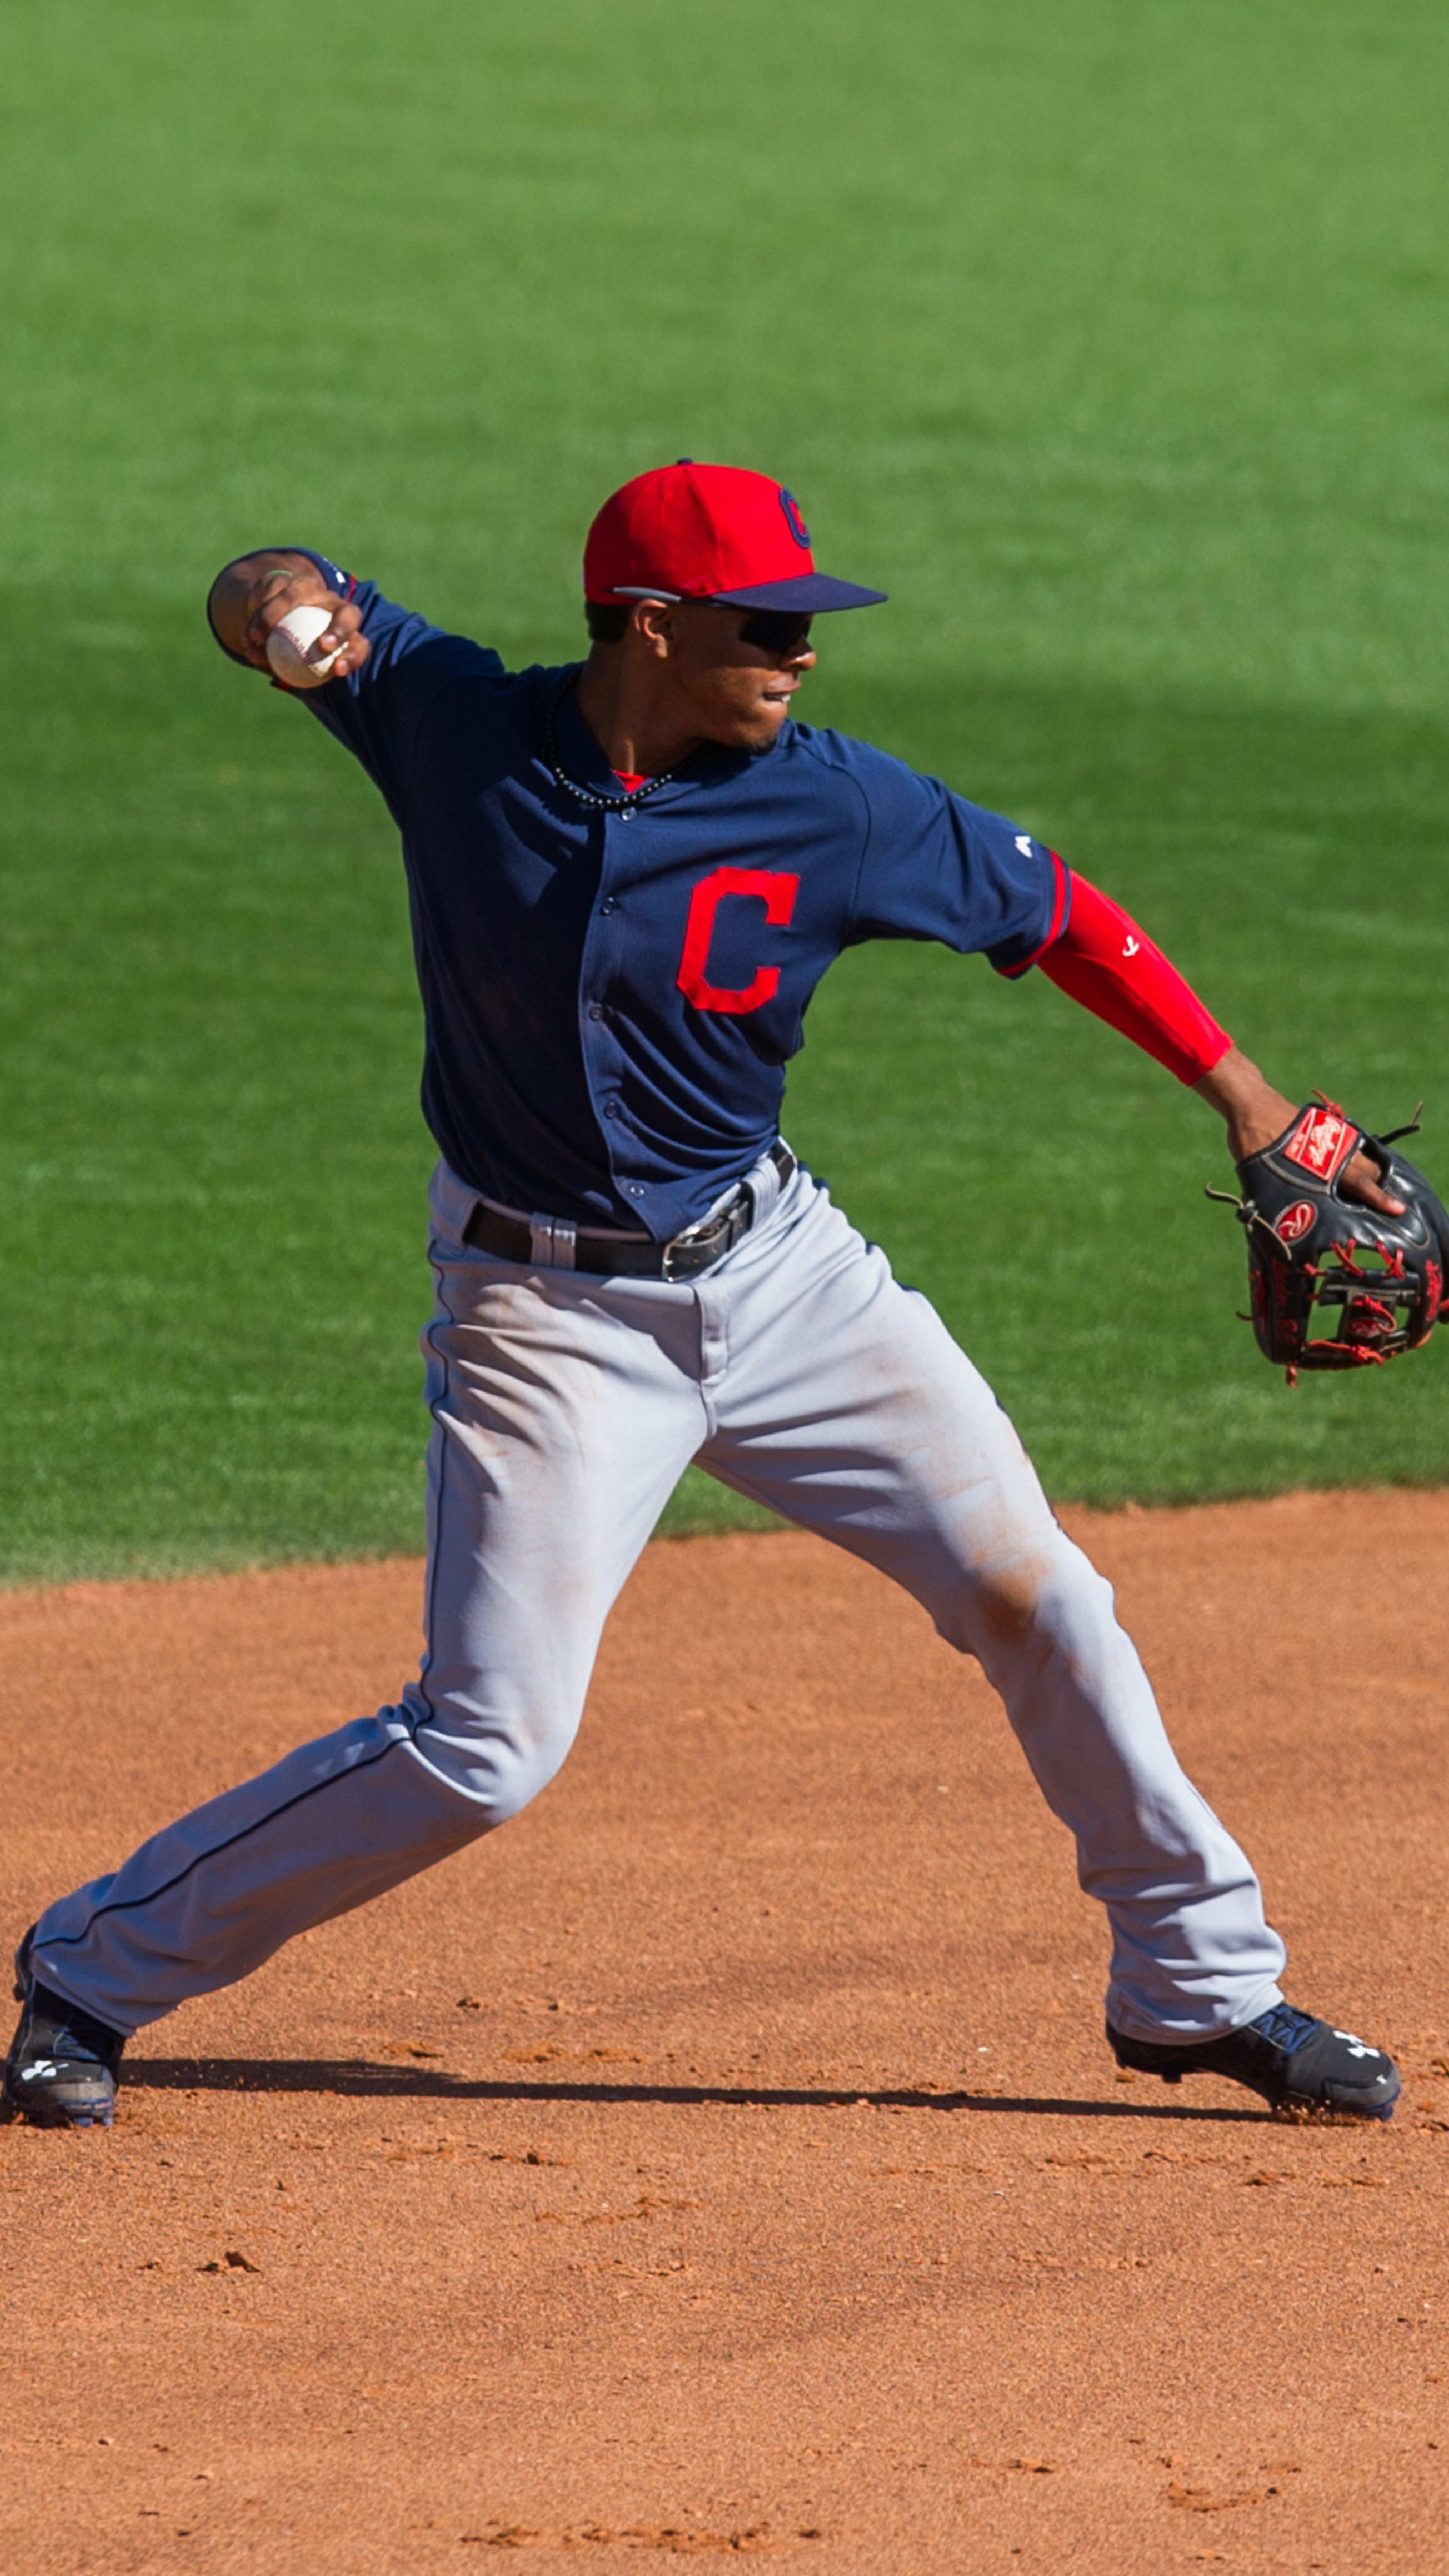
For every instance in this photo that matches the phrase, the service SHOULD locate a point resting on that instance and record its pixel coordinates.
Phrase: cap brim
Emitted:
(812, 592)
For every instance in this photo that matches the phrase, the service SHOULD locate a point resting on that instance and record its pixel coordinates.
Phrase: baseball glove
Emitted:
(1334, 1284)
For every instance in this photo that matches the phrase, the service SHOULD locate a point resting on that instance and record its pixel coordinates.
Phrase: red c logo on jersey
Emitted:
(770, 887)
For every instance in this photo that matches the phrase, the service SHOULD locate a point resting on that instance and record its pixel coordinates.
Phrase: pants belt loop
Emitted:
(764, 1186)
(551, 1242)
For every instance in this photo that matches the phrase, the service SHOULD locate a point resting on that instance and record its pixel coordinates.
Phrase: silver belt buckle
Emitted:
(677, 1243)
(723, 1223)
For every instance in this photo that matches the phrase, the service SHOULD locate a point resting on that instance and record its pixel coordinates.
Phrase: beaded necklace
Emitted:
(598, 801)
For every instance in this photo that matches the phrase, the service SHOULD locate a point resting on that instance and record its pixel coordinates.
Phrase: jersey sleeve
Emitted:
(377, 711)
(935, 866)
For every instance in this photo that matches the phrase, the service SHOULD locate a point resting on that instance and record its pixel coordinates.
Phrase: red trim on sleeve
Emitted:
(1114, 970)
(1061, 906)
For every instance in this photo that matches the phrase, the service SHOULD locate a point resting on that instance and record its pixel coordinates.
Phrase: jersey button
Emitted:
(611, 1109)
(596, 1010)
(608, 904)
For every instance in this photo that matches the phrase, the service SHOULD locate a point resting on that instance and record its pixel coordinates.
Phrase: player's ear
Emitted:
(653, 623)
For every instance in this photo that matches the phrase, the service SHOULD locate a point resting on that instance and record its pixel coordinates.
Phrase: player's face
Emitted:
(737, 670)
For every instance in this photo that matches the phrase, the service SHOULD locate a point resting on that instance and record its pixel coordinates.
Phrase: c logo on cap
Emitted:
(794, 519)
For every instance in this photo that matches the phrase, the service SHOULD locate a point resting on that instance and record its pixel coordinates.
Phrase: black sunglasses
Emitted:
(775, 630)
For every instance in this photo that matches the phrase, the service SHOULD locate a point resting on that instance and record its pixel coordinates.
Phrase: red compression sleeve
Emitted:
(1112, 968)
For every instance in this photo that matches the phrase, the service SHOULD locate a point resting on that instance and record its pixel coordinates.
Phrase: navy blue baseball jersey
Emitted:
(611, 998)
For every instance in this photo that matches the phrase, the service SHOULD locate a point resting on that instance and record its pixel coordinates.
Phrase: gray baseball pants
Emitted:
(565, 1406)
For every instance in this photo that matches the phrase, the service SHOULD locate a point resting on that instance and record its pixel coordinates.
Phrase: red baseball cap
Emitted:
(714, 533)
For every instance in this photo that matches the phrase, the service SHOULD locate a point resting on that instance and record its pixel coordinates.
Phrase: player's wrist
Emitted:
(1254, 1112)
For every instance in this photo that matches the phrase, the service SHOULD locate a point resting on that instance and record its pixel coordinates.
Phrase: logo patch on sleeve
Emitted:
(1296, 1221)
(1321, 1143)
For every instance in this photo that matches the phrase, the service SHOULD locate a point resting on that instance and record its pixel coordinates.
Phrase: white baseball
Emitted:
(292, 648)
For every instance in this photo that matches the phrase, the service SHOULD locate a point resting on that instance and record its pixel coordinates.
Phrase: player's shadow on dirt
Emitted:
(361, 2078)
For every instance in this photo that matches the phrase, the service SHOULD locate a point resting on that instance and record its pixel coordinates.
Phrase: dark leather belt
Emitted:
(550, 1241)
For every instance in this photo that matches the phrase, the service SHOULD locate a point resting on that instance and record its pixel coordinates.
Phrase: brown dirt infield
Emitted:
(725, 2160)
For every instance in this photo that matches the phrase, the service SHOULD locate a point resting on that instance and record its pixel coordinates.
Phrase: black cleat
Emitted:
(1303, 2068)
(63, 2066)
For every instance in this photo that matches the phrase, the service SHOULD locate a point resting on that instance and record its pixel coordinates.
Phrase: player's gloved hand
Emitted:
(1257, 1116)
(254, 594)
(1335, 1283)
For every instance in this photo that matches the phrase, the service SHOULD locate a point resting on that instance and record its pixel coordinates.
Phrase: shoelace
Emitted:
(73, 2034)
(1285, 2027)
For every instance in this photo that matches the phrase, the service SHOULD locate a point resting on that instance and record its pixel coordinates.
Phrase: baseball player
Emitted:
(627, 877)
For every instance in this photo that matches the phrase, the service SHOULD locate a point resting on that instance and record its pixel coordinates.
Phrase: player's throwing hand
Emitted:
(253, 596)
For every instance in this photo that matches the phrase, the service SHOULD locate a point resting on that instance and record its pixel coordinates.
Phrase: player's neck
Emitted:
(631, 717)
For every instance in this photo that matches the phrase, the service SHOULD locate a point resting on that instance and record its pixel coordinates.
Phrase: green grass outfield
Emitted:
(1106, 334)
